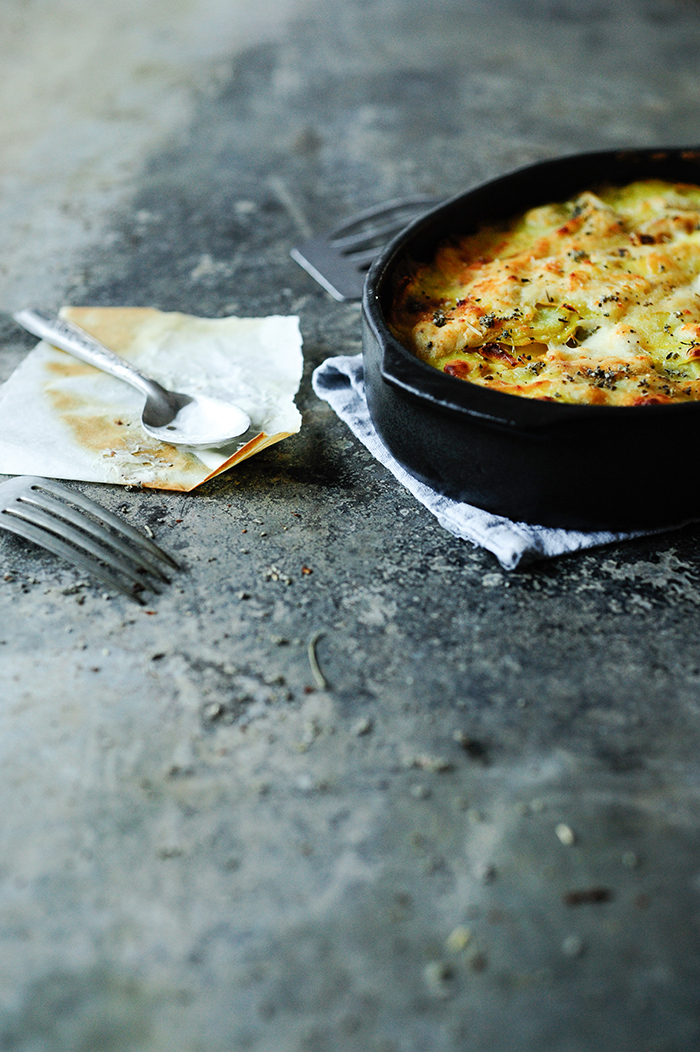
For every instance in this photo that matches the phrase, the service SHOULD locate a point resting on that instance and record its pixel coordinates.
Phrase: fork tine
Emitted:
(73, 555)
(43, 520)
(125, 528)
(329, 258)
(141, 556)
(360, 258)
(365, 237)
(416, 203)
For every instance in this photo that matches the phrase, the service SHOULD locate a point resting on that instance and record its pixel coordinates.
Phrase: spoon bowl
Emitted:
(199, 421)
(170, 416)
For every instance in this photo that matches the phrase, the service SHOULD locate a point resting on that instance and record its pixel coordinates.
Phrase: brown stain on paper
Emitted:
(62, 402)
(69, 368)
(97, 434)
(110, 433)
(101, 433)
(115, 327)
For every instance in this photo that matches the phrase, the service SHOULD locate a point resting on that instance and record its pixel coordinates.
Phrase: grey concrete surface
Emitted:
(483, 833)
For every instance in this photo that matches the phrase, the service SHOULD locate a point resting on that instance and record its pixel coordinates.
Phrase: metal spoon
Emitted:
(190, 420)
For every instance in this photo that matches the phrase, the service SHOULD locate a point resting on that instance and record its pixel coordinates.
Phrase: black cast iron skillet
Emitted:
(581, 467)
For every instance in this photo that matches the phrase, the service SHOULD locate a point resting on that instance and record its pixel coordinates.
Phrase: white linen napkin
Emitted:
(340, 382)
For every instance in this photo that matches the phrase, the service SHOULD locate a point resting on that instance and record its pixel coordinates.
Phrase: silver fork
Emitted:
(339, 260)
(70, 525)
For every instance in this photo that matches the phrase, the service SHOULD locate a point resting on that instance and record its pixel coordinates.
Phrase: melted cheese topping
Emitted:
(596, 300)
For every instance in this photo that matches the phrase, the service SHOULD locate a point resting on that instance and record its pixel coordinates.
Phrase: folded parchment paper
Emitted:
(64, 419)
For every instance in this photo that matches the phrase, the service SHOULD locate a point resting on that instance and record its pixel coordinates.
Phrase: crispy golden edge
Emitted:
(587, 301)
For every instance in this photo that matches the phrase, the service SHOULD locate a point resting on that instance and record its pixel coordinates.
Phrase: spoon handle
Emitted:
(76, 341)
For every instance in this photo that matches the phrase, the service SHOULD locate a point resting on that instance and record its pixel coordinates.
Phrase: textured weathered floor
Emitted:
(483, 834)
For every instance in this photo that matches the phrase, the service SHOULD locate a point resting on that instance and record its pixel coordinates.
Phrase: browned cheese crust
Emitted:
(595, 300)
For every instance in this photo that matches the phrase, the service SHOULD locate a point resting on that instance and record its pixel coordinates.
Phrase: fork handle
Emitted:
(69, 337)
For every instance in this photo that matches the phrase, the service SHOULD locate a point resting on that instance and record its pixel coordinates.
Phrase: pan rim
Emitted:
(402, 369)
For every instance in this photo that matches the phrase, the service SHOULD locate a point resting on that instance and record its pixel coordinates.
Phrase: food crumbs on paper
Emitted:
(313, 662)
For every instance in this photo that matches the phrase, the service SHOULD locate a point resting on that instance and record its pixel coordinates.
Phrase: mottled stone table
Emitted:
(483, 833)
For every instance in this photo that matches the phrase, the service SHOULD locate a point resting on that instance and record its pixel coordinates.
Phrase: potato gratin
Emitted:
(595, 301)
